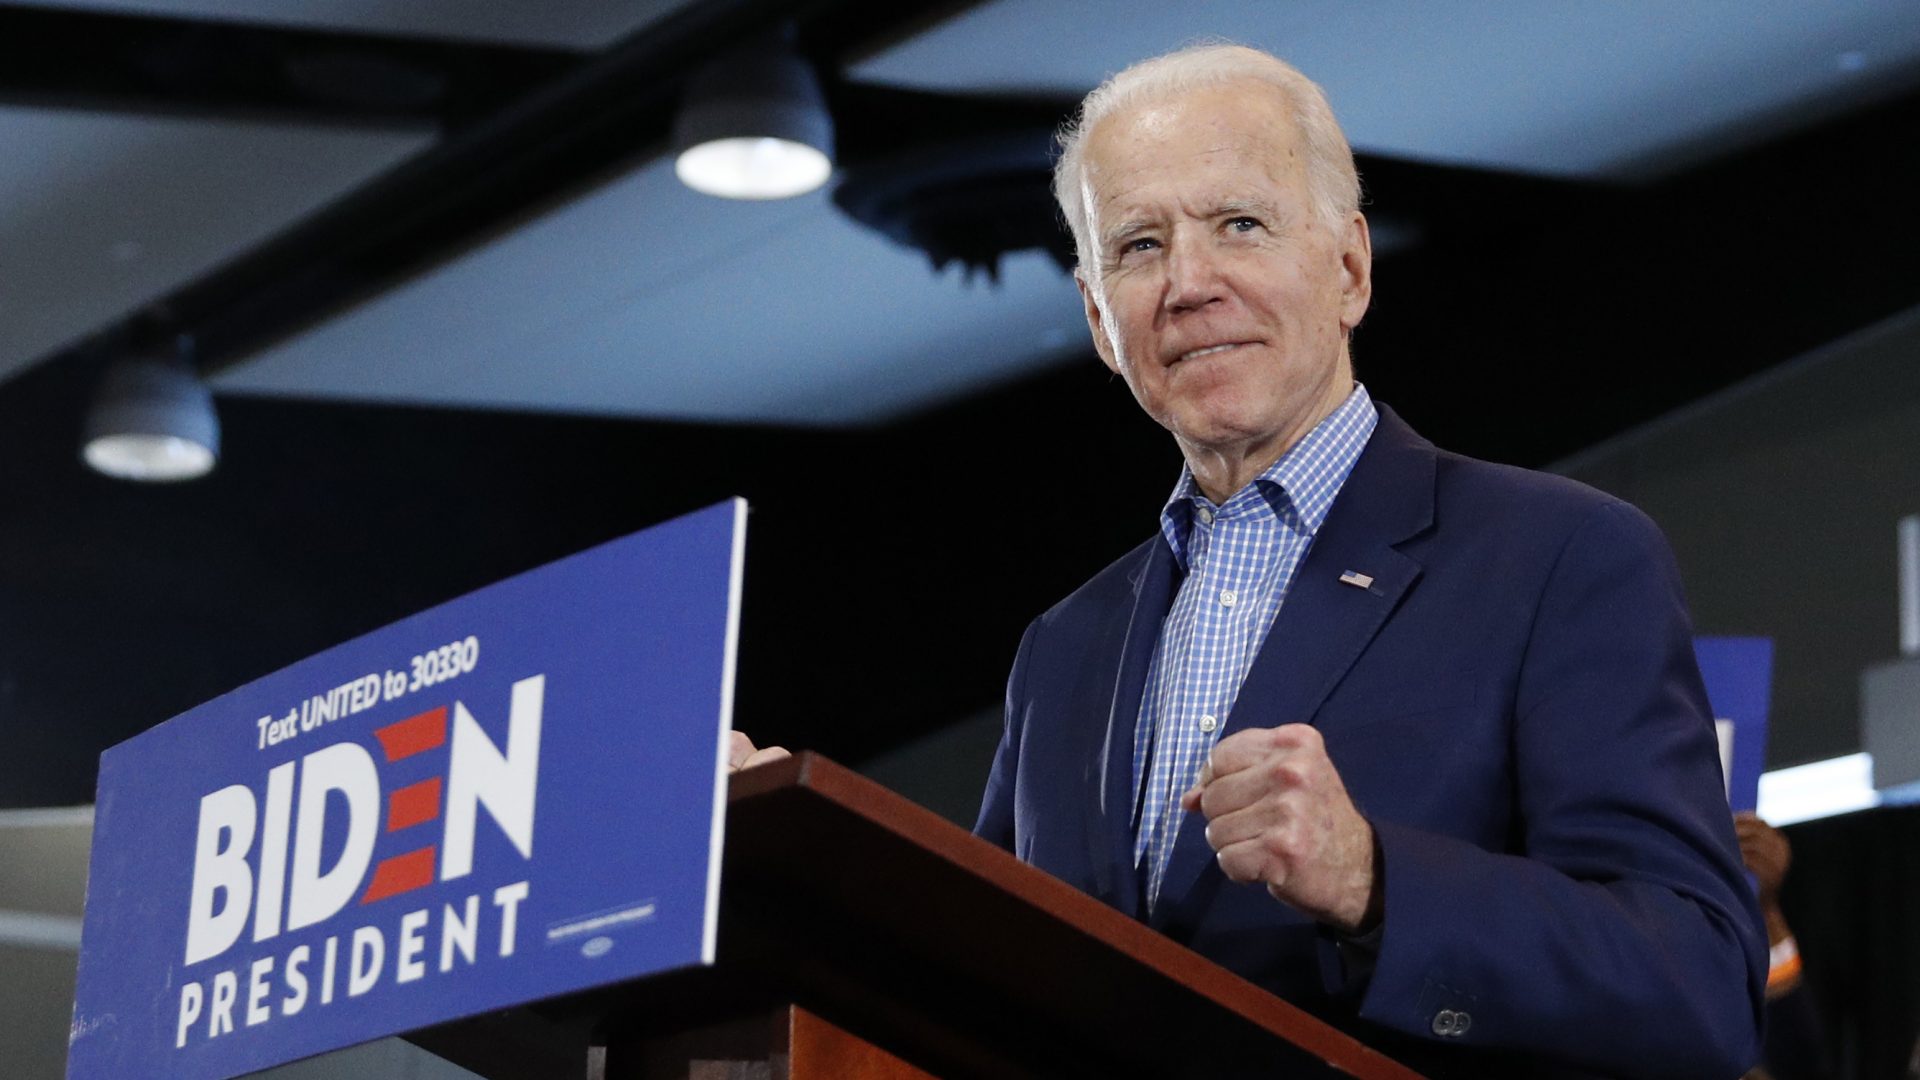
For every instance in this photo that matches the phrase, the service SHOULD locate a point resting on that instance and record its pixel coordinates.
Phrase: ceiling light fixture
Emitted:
(152, 420)
(754, 124)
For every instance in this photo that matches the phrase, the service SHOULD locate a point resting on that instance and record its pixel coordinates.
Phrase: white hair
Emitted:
(1332, 181)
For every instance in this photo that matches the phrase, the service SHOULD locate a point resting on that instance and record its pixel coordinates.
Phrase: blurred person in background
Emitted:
(1794, 1047)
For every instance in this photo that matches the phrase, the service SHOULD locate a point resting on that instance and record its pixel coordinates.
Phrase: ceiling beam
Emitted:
(602, 115)
(124, 63)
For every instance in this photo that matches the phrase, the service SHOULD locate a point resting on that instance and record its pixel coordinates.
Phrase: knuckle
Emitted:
(1229, 865)
(1278, 845)
(1294, 735)
(1286, 773)
(1283, 841)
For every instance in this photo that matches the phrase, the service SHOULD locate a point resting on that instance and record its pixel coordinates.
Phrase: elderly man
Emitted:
(1415, 741)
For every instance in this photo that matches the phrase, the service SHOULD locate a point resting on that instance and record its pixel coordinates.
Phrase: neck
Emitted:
(1220, 474)
(1220, 471)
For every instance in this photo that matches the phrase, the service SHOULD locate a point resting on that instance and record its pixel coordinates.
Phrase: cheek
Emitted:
(1132, 339)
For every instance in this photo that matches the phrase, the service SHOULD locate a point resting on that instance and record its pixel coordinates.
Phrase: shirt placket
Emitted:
(1207, 679)
(1171, 746)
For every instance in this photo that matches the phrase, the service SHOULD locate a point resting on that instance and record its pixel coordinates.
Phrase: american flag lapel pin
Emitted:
(1357, 579)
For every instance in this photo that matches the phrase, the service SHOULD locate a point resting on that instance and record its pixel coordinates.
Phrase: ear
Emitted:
(1356, 271)
(1096, 323)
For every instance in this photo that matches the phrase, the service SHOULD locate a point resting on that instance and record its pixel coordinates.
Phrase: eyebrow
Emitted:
(1243, 206)
(1124, 231)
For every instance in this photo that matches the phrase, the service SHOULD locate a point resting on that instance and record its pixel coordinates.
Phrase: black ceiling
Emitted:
(890, 570)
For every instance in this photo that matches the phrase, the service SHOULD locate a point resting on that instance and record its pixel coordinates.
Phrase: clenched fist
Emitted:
(1278, 814)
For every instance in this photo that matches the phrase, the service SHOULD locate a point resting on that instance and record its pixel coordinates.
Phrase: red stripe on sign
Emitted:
(414, 734)
(413, 804)
(399, 874)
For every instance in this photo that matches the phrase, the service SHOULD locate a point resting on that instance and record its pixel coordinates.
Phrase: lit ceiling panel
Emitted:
(578, 24)
(102, 213)
(646, 299)
(643, 299)
(1540, 86)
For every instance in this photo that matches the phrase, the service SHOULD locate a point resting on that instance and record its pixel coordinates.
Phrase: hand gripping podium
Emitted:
(862, 936)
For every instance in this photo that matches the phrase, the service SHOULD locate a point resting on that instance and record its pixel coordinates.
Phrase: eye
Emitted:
(1137, 244)
(1242, 224)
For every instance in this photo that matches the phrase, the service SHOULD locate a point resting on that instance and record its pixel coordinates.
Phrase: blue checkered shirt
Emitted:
(1239, 558)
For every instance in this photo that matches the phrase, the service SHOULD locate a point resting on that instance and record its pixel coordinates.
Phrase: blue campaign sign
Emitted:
(513, 795)
(1738, 672)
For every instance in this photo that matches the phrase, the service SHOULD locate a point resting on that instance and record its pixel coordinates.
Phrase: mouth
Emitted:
(1210, 350)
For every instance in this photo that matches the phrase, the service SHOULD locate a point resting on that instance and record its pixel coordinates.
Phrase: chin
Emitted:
(1217, 437)
(1216, 422)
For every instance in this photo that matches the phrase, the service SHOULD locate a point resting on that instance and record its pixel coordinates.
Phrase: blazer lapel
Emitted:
(1111, 832)
(1325, 623)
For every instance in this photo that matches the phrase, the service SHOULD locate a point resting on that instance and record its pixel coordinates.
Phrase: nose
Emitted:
(1193, 275)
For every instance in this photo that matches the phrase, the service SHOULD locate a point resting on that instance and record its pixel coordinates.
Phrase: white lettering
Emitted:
(326, 978)
(257, 1011)
(507, 898)
(369, 953)
(458, 932)
(297, 980)
(478, 773)
(274, 732)
(366, 693)
(228, 812)
(273, 853)
(409, 966)
(216, 999)
(347, 768)
(220, 1018)
(190, 1001)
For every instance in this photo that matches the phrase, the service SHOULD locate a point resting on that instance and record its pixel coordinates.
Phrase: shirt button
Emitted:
(1227, 597)
(1208, 723)
(1206, 516)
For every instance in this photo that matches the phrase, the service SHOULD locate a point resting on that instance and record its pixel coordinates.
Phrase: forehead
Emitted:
(1215, 143)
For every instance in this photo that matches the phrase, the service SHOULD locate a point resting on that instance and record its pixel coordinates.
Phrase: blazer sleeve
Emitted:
(996, 804)
(1620, 933)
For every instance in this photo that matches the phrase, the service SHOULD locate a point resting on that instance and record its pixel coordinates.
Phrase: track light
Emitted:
(754, 124)
(152, 419)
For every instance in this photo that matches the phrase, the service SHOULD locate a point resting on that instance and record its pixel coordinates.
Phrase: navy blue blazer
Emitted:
(1513, 703)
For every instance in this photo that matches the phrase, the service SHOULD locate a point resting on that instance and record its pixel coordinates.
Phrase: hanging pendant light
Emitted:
(152, 420)
(754, 124)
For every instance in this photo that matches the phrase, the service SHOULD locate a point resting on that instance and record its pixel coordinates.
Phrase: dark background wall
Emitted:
(1780, 498)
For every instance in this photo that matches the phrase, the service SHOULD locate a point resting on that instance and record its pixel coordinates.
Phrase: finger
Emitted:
(1249, 860)
(1190, 798)
(1285, 772)
(1263, 822)
(1245, 749)
(739, 749)
(765, 755)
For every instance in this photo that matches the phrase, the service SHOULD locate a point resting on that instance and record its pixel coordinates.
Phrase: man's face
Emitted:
(1212, 286)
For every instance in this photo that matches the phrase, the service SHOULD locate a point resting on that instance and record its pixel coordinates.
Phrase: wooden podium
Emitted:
(862, 936)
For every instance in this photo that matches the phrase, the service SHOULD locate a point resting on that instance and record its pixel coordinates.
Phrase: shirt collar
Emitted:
(1298, 488)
